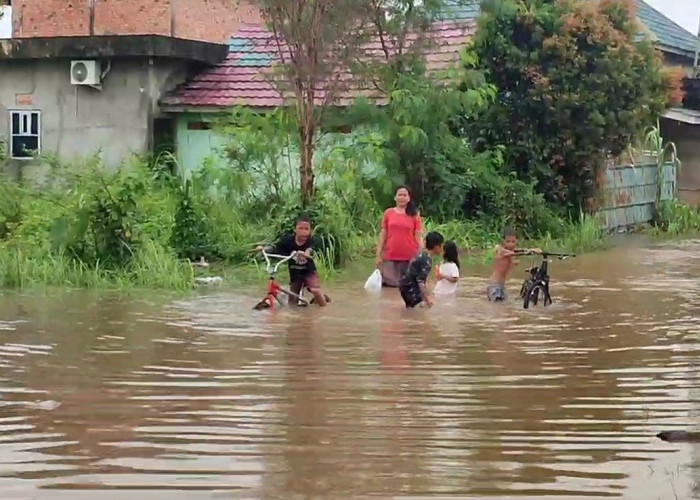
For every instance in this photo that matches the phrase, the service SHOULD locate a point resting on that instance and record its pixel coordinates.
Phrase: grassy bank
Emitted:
(141, 227)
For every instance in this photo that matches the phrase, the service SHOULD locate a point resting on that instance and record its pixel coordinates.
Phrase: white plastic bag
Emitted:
(374, 282)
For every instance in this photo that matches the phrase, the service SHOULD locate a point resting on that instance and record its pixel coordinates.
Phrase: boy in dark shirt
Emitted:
(302, 270)
(413, 286)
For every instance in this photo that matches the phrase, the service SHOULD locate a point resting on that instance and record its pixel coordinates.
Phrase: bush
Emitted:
(190, 235)
(573, 83)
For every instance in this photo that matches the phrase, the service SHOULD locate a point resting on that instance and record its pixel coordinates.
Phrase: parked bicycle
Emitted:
(536, 285)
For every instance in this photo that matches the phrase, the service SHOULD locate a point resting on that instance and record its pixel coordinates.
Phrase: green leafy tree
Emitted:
(574, 84)
(421, 105)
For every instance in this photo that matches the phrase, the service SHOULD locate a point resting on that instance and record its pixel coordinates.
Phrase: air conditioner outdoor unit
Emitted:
(85, 73)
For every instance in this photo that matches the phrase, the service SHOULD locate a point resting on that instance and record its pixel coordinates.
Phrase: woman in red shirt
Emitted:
(399, 239)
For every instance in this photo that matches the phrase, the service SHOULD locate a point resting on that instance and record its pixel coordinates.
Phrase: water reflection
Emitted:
(202, 398)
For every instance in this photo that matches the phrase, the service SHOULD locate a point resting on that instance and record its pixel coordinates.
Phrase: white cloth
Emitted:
(444, 287)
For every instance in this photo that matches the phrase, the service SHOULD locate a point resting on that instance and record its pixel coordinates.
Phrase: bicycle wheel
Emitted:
(523, 289)
(532, 295)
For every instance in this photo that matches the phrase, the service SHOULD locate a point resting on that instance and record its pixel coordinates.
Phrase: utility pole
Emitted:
(697, 52)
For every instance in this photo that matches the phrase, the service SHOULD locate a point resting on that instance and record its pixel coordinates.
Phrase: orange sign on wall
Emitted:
(24, 99)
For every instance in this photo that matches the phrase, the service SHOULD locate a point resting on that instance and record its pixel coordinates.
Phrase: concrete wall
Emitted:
(206, 20)
(687, 140)
(77, 121)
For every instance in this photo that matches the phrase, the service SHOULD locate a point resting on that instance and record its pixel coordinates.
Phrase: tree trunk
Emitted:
(306, 170)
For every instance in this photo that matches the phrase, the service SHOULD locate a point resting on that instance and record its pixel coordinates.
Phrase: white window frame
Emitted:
(6, 22)
(25, 130)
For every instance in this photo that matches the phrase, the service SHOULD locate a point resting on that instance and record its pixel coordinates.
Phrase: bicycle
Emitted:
(274, 289)
(537, 282)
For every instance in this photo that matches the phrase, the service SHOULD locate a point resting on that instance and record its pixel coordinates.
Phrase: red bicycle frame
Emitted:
(273, 289)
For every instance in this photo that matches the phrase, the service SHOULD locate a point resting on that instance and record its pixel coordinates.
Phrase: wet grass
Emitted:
(582, 236)
(156, 268)
(675, 219)
(151, 268)
(476, 242)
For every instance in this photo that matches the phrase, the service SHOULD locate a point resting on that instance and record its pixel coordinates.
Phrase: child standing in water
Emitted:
(503, 262)
(448, 271)
(413, 286)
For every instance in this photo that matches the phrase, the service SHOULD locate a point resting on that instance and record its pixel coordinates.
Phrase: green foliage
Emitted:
(262, 159)
(10, 206)
(101, 215)
(416, 143)
(582, 234)
(88, 227)
(676, 218)
(319, 40)
(573, 84)
(190, 237)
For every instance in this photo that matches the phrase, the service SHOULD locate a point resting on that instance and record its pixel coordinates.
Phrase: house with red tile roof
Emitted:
(244, 78)
(81, 77)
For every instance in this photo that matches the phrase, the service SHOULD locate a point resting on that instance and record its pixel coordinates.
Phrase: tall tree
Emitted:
(574, 84)
(420, 105)
(316, 40)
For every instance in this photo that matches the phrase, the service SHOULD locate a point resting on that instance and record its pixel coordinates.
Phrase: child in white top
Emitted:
(448, 272)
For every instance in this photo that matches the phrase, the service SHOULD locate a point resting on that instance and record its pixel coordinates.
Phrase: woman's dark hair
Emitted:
(411, 207)
(450, 253)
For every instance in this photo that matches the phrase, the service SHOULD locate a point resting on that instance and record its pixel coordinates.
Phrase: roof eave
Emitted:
(90, 47)
(675, 51)
(179, 109)
(687, 116)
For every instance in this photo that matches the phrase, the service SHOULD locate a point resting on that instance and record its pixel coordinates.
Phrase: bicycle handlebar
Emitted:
(282, 260)
(546, 254)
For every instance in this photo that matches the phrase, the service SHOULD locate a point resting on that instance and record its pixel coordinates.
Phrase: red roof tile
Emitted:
(244, 77)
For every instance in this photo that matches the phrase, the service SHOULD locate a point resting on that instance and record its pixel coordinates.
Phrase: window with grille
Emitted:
(25, 131)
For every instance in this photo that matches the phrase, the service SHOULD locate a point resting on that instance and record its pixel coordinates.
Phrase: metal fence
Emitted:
(629, 193)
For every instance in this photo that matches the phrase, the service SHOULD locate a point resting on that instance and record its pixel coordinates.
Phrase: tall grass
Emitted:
(477, 239)
(91, 229)
(674, 218)
(156, 267)
(152, 268)
(578, 236)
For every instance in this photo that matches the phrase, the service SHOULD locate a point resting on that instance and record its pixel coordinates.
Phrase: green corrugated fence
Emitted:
(629, 193)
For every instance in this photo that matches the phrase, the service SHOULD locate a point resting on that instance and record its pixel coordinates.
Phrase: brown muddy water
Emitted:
(107, 398)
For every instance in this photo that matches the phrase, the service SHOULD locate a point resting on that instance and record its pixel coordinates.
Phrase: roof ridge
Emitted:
(436, 26)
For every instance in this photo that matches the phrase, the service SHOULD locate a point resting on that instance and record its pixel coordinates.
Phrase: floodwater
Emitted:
(103, 397)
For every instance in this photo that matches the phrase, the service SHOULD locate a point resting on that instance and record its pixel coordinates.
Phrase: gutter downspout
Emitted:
(91, 22)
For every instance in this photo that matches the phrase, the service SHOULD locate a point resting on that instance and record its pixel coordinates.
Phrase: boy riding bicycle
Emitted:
(302, 269)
